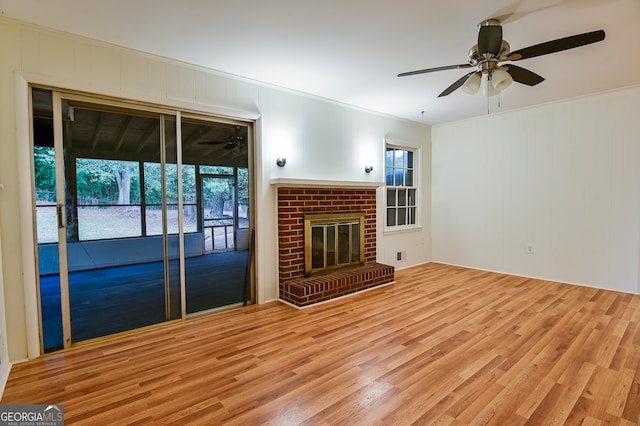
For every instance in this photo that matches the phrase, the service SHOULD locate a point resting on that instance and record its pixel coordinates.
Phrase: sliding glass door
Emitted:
(121, 216)
(219, 155)
(109, 269)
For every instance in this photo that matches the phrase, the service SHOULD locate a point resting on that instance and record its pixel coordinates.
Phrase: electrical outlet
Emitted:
(529, 248)
(401, 255)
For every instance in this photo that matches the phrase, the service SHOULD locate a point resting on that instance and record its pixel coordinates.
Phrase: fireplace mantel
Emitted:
(319, 183)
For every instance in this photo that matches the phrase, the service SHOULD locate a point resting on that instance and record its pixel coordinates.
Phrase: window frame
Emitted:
(417, 172)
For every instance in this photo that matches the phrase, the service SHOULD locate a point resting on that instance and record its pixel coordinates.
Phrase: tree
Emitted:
(122, 173)
(107, 181)
(44, 160)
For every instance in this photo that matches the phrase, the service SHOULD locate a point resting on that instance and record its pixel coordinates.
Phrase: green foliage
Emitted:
(98, 180)
(243, 186)
(103, 182)
(216, 170)
(44, 160)
(152, 183)
(153, 187)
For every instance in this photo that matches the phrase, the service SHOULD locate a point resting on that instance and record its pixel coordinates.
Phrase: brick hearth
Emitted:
(293, 203)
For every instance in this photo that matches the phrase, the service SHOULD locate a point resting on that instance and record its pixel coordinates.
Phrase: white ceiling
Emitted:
(351, 51)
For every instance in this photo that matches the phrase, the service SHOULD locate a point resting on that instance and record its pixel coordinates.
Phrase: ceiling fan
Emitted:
(492, 49)
(231, 142)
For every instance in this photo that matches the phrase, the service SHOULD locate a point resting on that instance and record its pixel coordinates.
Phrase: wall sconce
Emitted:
(368, 169)
(281, 161)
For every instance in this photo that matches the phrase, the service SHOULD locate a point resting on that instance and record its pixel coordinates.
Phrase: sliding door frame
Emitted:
(122, 104)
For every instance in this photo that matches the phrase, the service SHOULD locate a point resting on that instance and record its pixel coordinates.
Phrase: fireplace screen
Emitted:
(333, 241)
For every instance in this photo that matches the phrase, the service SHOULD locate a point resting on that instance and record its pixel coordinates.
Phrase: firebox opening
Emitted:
(333, 241)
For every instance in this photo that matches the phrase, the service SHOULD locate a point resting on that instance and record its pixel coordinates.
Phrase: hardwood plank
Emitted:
(444, 345)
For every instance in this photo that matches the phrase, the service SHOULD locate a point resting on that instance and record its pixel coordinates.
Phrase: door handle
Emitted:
(59, 213)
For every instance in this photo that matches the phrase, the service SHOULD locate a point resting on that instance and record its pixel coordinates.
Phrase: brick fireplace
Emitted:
(293, 204)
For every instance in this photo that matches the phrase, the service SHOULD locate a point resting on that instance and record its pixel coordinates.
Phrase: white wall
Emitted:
(564, 177)
(321, 140)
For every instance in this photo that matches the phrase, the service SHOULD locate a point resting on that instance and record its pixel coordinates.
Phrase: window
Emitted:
(153, 198)
(243, 197)
(108, 194)
(401, 190)
(45, 178)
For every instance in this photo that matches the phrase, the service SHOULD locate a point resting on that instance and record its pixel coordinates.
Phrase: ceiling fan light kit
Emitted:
(492, 82)
(486, 56)
(500, 79)
(472, 85)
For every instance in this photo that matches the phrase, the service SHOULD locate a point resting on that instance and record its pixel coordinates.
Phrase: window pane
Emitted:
(408, 180)
(243, 197)
(190, 218)
(399, 156)
(389, 157)
(97, 223)
(152, 183)
(399, 174)
(216, 170)
(47, 221)
(402, 216)
(412, 216)
(389, 176)
(172, 218)
(153, 219)
(410, 159)
(44, 165)
(402, 197)
(188, 183)
(104, 182)
(171, 175)
(391, 197)
(391, 217)
(412, 197)
(44, 168)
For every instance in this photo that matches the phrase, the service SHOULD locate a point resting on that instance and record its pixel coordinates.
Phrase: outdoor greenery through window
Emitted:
(108, 194)
(110, 201)
(401, 189)
(45, 177)
(153, 198)
(243, 197)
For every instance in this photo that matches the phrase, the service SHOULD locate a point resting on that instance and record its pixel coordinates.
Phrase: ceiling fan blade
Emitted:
(424, 71)
(456, 85)
(557, 45)
(489, 39)
(523, 76)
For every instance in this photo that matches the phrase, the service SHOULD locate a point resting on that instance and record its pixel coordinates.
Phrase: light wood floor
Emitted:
(444, 345)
